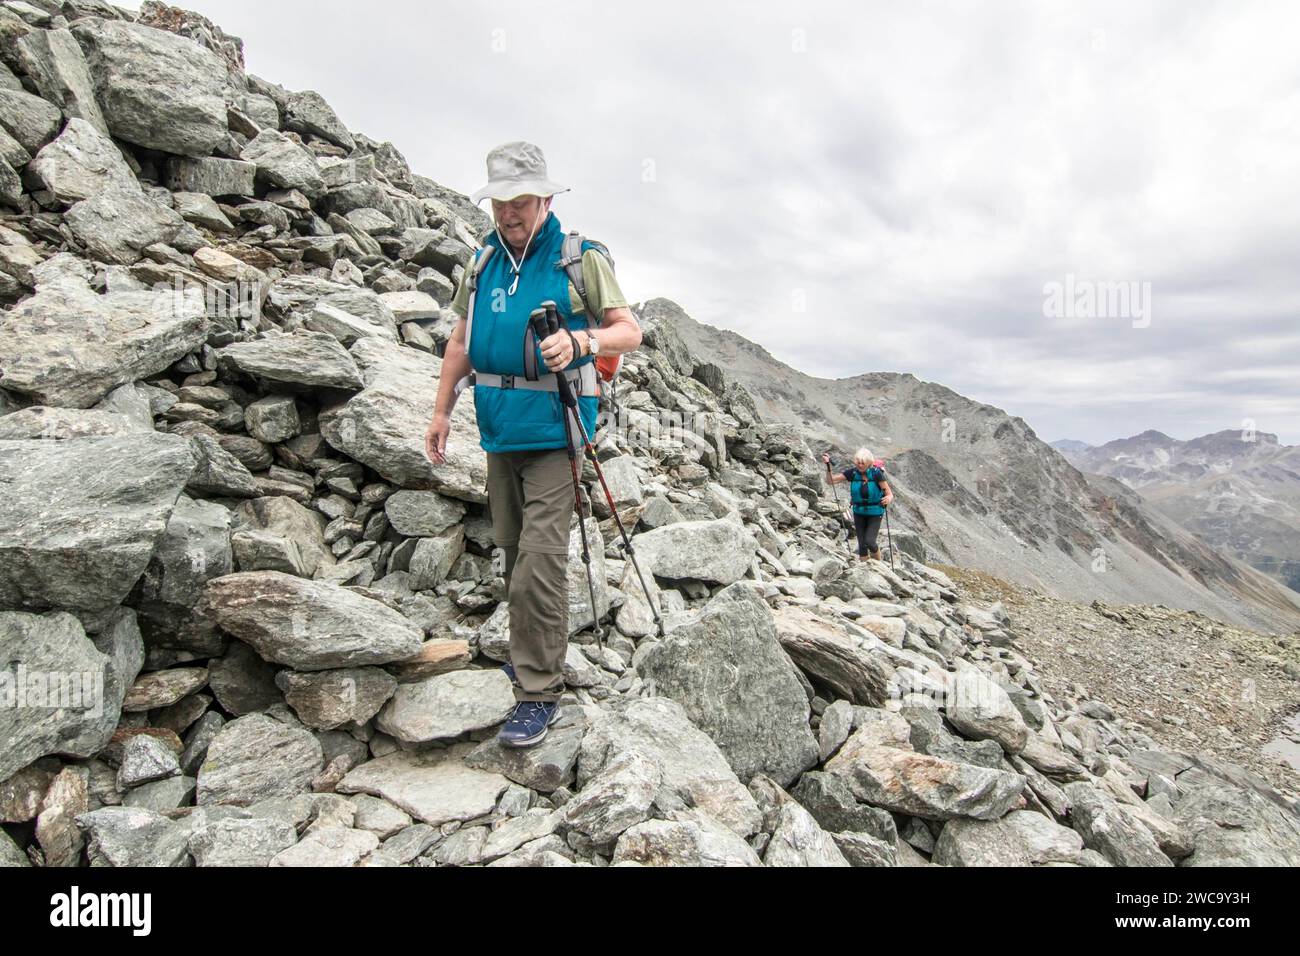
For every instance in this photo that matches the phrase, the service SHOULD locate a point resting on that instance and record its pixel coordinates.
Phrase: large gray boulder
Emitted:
(694, 773)
(687, 838)
(80, 163)
(435, 787)
(308, 625)
(54, 61)
(1021, 838)
(307, 112)
(156, 89)
(719, 551)
(383, 425)
(1236, 826)
(79, 519)
(982, 710)
(256, 758)
(305, 360)
(117, 225)
(919, 785)
(283, 164)
(1110, 831)
(30, 120)
(69, 346)
(132, 836)
(734, 682)
(52, 690)
(447, 705)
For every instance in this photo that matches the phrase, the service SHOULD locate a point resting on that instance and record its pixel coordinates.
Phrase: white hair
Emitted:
(863, 456)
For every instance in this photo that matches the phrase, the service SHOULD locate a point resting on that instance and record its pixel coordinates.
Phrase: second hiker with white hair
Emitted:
(870, 495)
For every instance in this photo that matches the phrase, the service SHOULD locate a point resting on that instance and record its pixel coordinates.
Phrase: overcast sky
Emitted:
(888, 186)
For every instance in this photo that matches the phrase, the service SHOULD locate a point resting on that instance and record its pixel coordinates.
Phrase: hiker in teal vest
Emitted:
(530, 484)
(870, 495)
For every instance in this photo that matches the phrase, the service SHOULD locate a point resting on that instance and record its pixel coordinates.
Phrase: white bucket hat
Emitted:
(517, 169)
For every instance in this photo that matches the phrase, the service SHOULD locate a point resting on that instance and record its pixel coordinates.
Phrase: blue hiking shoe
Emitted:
(509, 671)
(528, 723)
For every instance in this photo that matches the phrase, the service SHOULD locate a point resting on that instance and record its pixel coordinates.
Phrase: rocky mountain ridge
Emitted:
(246, 621)
(1238, 489)
(981, 489)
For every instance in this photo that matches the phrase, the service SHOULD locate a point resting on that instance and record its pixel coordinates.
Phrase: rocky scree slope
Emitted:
(983, 491)
(218, 516)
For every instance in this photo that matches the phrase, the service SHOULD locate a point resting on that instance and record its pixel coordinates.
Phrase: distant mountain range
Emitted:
(1238, 490)
(982, 490)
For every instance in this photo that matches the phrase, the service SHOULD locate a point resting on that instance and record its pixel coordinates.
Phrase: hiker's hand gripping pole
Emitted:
(570, 403)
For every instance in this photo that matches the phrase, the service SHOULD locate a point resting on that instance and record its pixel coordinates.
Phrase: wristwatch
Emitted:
(593, 344)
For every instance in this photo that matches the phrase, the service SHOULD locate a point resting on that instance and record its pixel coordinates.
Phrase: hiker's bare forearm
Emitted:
(619, 332)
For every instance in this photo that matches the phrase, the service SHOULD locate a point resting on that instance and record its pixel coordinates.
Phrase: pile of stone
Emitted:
(246, 622)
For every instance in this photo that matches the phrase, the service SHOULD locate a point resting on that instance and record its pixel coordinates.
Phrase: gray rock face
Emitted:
(54, 61)
(84, 516)
(831, 802)
(283, 164)
(545, 767)
(212, 176)
(734, 682)
(383, 426)
(618, 797)
(422, 513)
(435, 787)
(70, 347)
(981, 710)
(331, 846)
(690, 838)
(240, 842)
(308, 625)
(1108, 830)
(330, 699)
(447, 705)
(832, 655)
(1021, 838)
(29, 120)
(127, 836)
(242, 682)
(312, 359)
(799, 841)
(1234, 826)
(924, 786)
(307, 112)
(116, 225)
(156, 89)
(716, 551)
(255, 758)
(56, 829)
(694, 771)
(80, 163)
(862, 849)
(52, 690)
(144, 760)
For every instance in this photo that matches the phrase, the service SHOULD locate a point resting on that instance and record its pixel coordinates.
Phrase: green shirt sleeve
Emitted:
(603, 291)
(460, 301)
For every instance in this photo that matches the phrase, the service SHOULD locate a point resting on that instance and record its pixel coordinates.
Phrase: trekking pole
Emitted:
(848, 543)
(570, 403)
(538, 320)
(890, 537)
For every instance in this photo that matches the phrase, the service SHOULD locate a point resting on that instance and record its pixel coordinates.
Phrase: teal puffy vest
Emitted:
(516, 419)
(866, 492)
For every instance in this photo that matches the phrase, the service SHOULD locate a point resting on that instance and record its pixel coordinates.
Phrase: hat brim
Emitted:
(504, 189)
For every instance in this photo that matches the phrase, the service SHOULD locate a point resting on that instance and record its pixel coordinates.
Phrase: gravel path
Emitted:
(1193, 682)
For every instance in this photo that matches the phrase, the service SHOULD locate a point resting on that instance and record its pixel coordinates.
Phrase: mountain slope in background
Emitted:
(1238, 490)
(982, 490)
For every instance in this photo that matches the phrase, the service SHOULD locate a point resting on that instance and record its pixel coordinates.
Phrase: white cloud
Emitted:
(918, 173)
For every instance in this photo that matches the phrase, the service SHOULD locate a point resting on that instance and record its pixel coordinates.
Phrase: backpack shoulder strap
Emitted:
(571, 262)
(476, 268)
